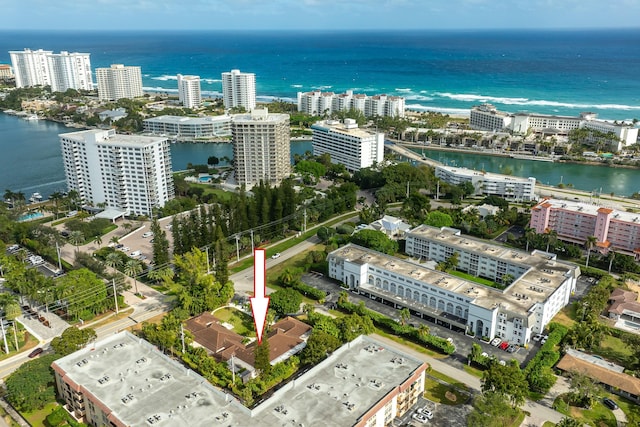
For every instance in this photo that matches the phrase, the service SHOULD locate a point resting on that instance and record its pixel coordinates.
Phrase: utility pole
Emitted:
(59, 261)
(115, 294)
(438, 190)
(207, 252)
(182, 336)
(238, 247)
(4, 336)
(304, 226)
(407, 189)
(252, 247)
(233, 369)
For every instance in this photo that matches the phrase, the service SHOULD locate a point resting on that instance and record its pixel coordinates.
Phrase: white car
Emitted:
(420, 418)
(495, 342)
(125, 248)
(425, 412)
(276, 255)
(147, 234)
(537, 337)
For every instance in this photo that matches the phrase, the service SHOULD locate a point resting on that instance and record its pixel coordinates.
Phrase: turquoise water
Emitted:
(204, 179)
(31, 216)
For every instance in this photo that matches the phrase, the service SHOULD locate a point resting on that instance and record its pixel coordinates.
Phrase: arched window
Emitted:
(466, 313)
(441, 304)
(458, 311)
(393, 288)
(370, 279)
(449, 308)
(425, 299)
(416, 295)
(401, 291)
(385, 285)
(378, 283)
(408, 293)
(432, 302)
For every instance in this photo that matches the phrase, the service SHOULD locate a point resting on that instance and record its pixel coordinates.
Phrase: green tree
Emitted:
(82, 291)
(76, 238)
(584, 390)
(319, 345)
(491, 410)
(262, 357)
(32, 385)
(354, 325)
(160, 244)
(98, 240)
(405, 315)
(438, 219)
(569, 422)
(72, 340)
(132, 268)
(285, 301)
(376, 240)
(113, 260)
(507, 380)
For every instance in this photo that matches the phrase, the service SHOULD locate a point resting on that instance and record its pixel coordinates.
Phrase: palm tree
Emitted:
(12, 311)
(113, 260)
(132, 268)
(589, 244)
(552, 238)
(423, 330)
(405, 315)
(529, 234)
(97, 240)
(76, 238)
(115, 240)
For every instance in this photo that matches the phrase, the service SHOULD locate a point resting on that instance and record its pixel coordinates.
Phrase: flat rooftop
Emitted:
(485, 175)
(591, 209)
(342, 388)
(137, 382)
(109, 137)
(188, 120)
(338, 127)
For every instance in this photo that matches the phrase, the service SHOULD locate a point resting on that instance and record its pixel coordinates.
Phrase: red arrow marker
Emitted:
(259, 303)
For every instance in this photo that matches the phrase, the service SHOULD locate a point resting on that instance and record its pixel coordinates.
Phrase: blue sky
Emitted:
(317, 14)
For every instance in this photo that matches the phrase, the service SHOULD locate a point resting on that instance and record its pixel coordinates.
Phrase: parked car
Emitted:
(147, 234)
(276, 255)
(537, 337)
(135, 254)
(420, 418)
(35, 352)
(610, 403)
(512, 348)
(426, 412)
(495, 342)
(544, 339)
(503, 345)
(125, 248)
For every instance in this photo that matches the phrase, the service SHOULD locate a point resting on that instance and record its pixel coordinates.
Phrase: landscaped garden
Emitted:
(242, 323)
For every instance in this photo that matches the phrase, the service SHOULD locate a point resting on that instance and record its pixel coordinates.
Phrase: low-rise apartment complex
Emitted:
(123, 381)
(347, 144)
(318, 103)
(490, 184)
(615, 230)
(536, 285)
(181, 127)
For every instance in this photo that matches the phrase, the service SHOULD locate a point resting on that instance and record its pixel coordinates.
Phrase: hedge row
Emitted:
(546, 358)
(308, 291)
(406, 331)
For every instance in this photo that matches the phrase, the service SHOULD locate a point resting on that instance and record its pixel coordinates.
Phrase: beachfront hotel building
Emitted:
(614, 230)
(61, 71)
(189, 128)
(540, 285)
(189, 91)
(490, 184)
(119, 81)
(347, 144)
(318, 103)
(261, 147)
(123, 380)
(239, 90)
(129, 173)
(487, 117)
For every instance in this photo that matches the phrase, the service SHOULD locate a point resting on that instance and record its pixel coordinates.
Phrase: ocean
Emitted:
(553, 72)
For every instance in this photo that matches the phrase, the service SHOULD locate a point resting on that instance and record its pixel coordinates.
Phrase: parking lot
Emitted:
(442, 415)
(461, 341)
(142, 247)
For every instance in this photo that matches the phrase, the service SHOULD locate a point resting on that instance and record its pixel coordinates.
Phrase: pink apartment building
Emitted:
(575, 221)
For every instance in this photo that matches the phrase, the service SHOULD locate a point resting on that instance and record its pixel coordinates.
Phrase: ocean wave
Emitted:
(322, 87)
(270, 98)
(403, 90)
(418, 98)
(526, 101)
(210, 81)
(159, 89)
(456, 111)
(296, 86)
(165, 78)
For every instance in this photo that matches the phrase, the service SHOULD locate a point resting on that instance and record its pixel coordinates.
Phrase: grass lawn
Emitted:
(411, 344)
(473, 371)
(448, 379)
(631, 409)
(548, 424)
(614, 349)
(440, 393)
(36, 418)
(208, 189)
(475, 279)
(242, 323)
(25, 343)
(566, 316)
(598, 415)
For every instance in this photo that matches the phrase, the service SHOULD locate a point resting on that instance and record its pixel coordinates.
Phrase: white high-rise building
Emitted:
(319, 103)
(261, 147)
(189, 91)
(61, 71)
(128, 172)
(347, 144)
(118, 82)
(239, 90)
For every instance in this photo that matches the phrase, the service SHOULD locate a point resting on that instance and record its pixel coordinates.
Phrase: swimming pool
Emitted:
(31, 216)
(205, 179)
